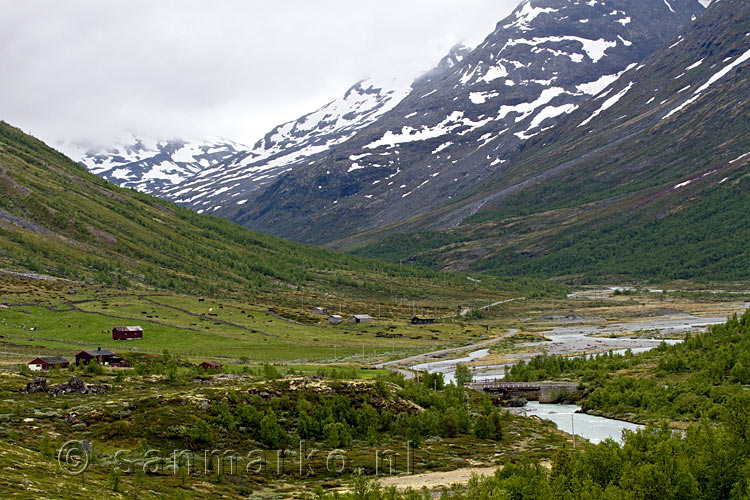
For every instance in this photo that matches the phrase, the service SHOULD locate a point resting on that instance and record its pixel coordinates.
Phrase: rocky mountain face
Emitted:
(151, 166)
(286, 147)
(462, 124)
(385, 153)
(233, 177)
(648, 178)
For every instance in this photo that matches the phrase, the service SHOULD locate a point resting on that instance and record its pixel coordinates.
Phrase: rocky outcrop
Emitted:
(39, 384)
(74, 386)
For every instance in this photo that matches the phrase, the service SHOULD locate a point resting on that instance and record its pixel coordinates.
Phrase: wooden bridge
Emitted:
(545, 392)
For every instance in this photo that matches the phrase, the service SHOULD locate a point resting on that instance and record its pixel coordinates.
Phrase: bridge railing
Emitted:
(503, 385)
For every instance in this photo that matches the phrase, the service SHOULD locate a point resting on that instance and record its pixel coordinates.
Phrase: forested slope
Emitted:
(58, 219)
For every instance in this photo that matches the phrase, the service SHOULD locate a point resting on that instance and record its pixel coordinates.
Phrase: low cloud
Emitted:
(90, 70)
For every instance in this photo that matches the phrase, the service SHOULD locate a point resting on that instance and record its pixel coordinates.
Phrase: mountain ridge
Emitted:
(287, 145)
(467, 123)
(316, 187)
(59, 222)
(648, 162)
(150, 166)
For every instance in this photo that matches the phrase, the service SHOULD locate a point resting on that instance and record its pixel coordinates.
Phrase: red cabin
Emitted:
(210, 366)
(103, 357)
(48, 363)
(127, 333)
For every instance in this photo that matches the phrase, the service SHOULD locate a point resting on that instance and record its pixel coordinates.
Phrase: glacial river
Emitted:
(574, 340)
(595, 429)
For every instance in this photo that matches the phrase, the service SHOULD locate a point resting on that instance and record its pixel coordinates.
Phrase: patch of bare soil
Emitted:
(433, 480)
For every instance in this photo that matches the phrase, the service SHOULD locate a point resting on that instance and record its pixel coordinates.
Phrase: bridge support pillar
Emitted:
(552, 393)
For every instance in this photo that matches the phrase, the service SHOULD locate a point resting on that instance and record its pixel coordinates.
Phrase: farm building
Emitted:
(118, 362)
(210, 366)
(416, 320)
(319, 310)
(361, 318)
(335, 319)
(127, 332)
(103, 357)
(48, 363)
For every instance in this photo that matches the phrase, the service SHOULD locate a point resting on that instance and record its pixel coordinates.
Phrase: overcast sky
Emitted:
(89, 70)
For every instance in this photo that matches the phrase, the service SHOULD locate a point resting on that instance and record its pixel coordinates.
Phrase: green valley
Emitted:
(533, 281)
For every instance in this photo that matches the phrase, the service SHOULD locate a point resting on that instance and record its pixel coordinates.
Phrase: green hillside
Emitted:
(706, 238)
(57, 219)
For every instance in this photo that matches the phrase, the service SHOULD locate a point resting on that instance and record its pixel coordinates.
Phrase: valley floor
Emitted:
(281, 364)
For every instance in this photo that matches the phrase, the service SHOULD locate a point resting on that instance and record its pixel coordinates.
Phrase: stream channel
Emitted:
(577, 340)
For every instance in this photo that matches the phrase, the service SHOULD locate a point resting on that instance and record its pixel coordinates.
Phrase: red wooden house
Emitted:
(127, 332)
(48, 363)
(103, 357)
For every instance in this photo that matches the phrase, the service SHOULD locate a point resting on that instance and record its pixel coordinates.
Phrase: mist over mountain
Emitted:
(151, 166)
(459, 123)
(570, 115)
(648, 179)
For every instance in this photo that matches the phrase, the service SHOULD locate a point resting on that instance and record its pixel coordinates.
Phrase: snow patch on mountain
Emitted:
(595, 49)
(454, 121)
(607, 104)
(526, 14)
(151, 165)
(292, 143)
(551, 112)
(714, 78)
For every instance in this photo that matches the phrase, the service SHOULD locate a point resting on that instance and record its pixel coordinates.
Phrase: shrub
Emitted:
(270, 431)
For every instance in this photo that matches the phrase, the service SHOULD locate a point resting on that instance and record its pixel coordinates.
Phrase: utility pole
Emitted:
(573, 431)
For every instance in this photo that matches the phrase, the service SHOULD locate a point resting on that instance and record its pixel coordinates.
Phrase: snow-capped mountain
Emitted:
(200, 173)
(384, 153)
(151, 165)
(289, 145)
(649, 179)
(460, 125)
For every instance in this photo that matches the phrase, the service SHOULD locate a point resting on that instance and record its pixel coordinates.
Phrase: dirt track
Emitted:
(433, 480)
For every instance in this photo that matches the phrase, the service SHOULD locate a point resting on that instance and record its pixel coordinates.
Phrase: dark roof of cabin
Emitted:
(97, 352)
(53, 360)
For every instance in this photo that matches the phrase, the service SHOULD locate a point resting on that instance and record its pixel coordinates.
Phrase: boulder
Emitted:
(39, 384)
(87, 447)
(77, 386)
(515, 402)
(74, 386)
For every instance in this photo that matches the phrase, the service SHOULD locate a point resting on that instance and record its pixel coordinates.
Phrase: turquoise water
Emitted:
(595, 429)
